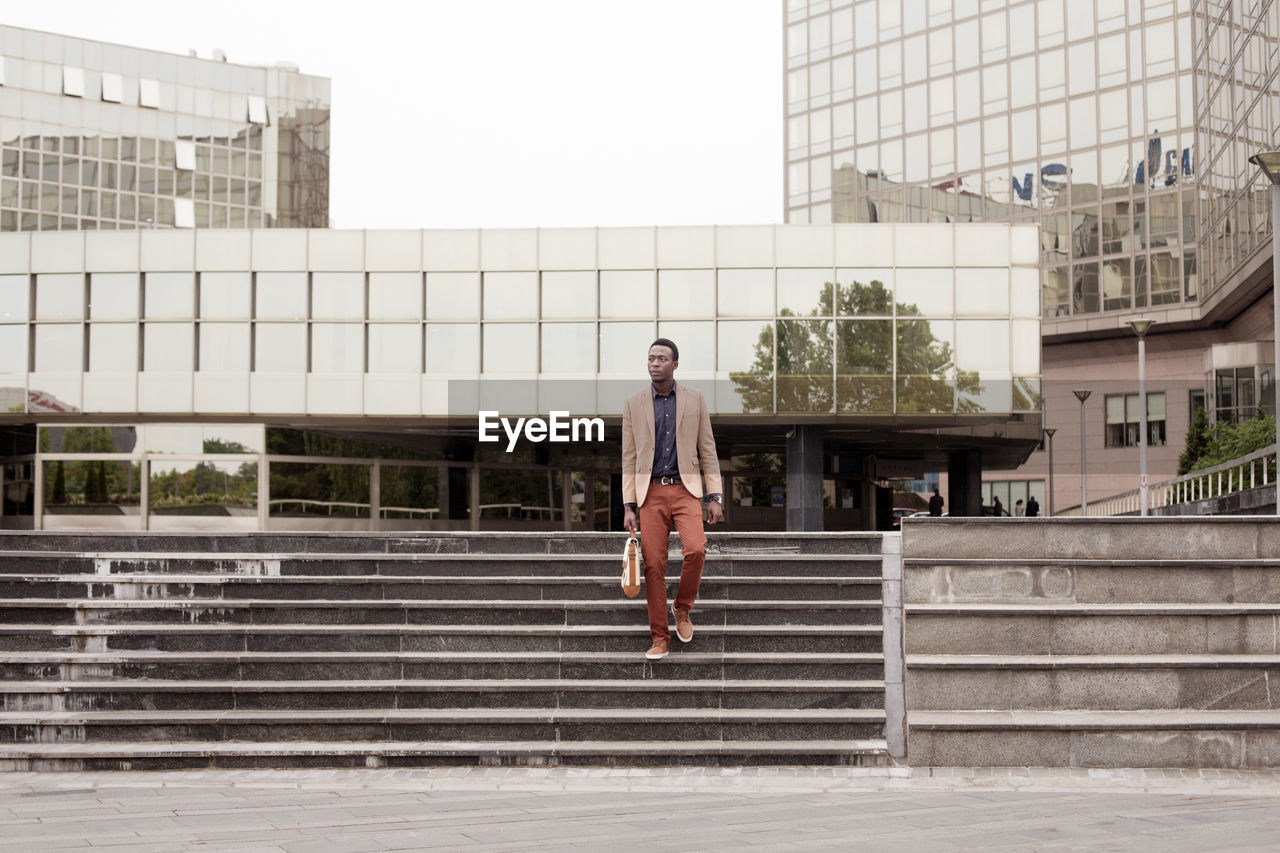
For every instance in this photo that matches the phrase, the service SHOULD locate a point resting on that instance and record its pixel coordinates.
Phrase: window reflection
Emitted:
(925, 365)
(1117, 285)
(864, 366)
(1084, 288)
(804, 377)
(865, 292)
(805, 292)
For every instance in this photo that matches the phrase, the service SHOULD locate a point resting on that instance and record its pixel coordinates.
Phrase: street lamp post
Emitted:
(1049, 431)
(1082, 394)
(1140, 327)
(1269, 163)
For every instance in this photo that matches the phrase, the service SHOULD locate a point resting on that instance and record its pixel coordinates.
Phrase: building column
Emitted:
(804, 478)
(964, 482)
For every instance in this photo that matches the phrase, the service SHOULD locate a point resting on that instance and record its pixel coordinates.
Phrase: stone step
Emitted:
(402, 565)
(1089, 581)
(453, 542)
(626, 753)
(613, 611)
(1169, 738)
(401, 637)
(271, 666)
(1071, 683)
(381, 587)
(439, 724)
(1087, 629)
(465, 693)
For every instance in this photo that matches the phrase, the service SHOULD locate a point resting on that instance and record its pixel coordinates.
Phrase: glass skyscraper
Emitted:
(97, 136)
(1121, 127)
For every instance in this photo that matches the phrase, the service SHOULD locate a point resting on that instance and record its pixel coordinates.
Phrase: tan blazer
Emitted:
(695, 445)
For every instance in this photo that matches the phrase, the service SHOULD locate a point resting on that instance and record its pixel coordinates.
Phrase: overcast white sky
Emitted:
(463, 113)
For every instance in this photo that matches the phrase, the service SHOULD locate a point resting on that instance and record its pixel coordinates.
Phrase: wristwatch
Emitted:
(716, 499)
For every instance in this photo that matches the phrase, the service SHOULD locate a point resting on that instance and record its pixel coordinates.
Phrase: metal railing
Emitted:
(1246, 472)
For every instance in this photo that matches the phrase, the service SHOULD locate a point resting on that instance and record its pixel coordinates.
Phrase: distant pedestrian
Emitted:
(999, 509)
(935, 504)
(1033, 507)
(1018, 509)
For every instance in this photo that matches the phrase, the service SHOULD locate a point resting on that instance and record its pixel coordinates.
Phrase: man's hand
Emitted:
(629, 519)
(715, 512)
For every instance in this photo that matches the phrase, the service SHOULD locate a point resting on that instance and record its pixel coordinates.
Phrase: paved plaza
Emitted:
(503, 809)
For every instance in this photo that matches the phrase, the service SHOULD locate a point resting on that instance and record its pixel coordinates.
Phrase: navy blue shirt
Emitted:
(665, 462)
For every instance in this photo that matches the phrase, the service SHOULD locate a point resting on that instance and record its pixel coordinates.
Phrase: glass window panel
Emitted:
(627, 293)
(60, 296)
(1166, 277)
(337, 348)
(15, 293)
(224, 347)
(168, 347)
(1117, 284)
(509, 296)
(805, 292)
(453, 296)
(744, 346)
(113, 347)
(864, 348)
(696, 342)
(927, 292)
(395, 296)
(569, 347)
(1084, 127)
(804, 378)
(13, 348)
(395, 348)
(624, 347)
(337, 296)
(1084, 288)
(981, 291)
(983, 346)
(169, 296)
(1080, 61)
(925, 365)
(113, 296)
(511, 347)
(686, 293)
(281, 296)
(569, 295)
(745, 292)
(453, 348)
(224, 296)
(59, 347)
(865, 292)
(280, 347)
(967, 44)
(1052, 72)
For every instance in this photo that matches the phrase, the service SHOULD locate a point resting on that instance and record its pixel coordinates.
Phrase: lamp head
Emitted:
(1269, 163)
(1082, 394)
(1049, 431)
(1140, 325)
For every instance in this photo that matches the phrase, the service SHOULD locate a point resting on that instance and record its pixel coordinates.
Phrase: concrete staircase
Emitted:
(294, 650)
(1116, 642)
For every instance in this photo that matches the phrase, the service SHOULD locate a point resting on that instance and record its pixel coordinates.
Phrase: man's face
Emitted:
(661, 366)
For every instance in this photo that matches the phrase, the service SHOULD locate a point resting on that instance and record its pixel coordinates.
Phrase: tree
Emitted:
(59, 495)
(863, 354)
(1197, 442)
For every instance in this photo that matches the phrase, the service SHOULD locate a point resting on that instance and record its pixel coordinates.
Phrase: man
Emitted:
(935, 504)
(1033, 507)
(668, 456)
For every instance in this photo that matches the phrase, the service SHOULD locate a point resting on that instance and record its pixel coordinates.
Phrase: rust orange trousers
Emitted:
(663, 507)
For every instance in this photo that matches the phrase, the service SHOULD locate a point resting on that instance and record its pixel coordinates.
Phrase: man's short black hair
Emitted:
(667, 342)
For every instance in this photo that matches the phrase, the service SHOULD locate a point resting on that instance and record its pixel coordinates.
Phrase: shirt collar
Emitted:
(653, 389)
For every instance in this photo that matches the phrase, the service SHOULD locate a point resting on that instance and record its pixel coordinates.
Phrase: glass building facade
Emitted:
(97, 136)
(926, 327)
(1076, 116)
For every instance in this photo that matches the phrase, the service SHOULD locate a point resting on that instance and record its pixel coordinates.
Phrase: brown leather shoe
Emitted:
(684, 626)
(659, 650)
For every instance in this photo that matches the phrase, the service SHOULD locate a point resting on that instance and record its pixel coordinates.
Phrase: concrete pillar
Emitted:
(964, 482)
(804, 478)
